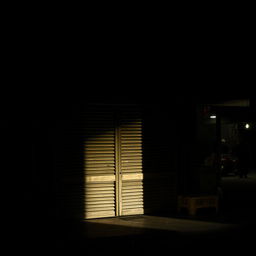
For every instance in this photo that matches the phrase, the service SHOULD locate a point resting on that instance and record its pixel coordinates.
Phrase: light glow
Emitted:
(213, 117)
(247, 126)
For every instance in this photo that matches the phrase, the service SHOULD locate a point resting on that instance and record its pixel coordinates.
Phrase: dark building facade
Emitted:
(106, 158)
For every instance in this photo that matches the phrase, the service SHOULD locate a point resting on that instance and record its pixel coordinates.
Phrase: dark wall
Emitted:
(197, 141)
(160, 157)
(206, 136)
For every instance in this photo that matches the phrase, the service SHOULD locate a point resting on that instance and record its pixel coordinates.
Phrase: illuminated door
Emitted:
(129, 136)
(113, 162)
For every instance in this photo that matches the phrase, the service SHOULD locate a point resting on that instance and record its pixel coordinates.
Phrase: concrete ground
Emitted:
(230, 231)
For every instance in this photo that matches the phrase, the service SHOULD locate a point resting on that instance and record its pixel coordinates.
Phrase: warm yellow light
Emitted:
(247, 126)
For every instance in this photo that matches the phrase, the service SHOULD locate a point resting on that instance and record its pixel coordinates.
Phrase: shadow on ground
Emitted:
(237, 216)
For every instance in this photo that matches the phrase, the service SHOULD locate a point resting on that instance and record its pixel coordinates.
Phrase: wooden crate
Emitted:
(192, 203)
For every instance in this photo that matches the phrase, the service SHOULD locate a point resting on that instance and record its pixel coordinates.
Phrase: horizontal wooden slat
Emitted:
(98, 194)
(131, 142)
(90, 164)
(100, 184)
(101, 136)
(131, 168)
(132, 160)
(134, 129)
(134, 193)
(94, 150)
(132, 157)
(98, 189)
(100, 199)
(133, 198)
(100, 178)
(100, 208)
(128, 165)
(131, 147)
(132, 186)
(90, 196)
(132, 152)
(133, 211)
(97, 142)
(96, 169)
(133, 206)
(100, 173)
(100, 204)
(132, 171)
(99, 214)
(98, 152)
(136, 176)
(133, 183)
(99, 158)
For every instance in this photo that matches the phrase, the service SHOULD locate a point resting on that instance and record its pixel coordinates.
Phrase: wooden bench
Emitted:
(192, 203)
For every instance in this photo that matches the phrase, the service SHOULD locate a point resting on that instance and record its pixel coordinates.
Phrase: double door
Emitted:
(113, 163)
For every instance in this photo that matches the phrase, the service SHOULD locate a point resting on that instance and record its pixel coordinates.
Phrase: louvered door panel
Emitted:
(100, 199)
(131, 163)
(99, 163)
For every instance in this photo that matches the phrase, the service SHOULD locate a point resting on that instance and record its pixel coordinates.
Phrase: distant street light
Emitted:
(247, 126)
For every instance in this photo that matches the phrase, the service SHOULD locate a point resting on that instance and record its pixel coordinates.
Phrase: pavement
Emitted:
(229, 231)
